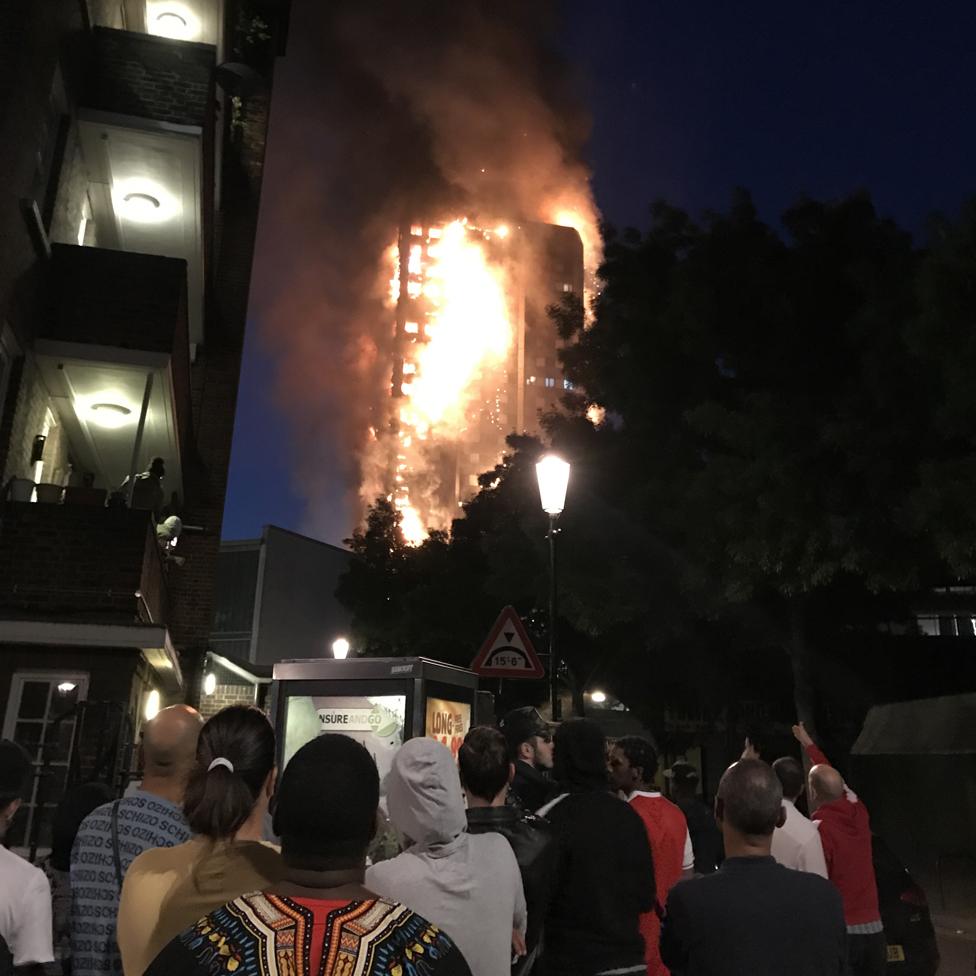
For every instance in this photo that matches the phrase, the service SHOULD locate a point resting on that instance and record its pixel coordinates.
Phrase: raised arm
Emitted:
(810, 747)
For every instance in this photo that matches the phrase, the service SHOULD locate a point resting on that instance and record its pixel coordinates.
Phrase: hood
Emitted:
(424, 794)
(580, 759)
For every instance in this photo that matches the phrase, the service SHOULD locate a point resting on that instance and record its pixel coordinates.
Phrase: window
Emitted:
(530, 381)
(567, 384)
(41, 716)
(567, 287)
(550, 382)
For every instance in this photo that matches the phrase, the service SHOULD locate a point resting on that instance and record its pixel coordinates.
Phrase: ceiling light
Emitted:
(66, 687)
(107, 413)
(151, 709)
(141, 200)
(173, 20)
(140, 206)
(598, 697)
(210, 683)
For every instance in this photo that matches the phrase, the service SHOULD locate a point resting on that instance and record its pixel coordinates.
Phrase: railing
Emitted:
(80, 563)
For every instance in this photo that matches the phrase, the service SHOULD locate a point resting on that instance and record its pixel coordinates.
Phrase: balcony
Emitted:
(113, 355)
(84, 576)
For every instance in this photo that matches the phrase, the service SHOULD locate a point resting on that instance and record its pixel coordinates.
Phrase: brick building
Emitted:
(133, 135)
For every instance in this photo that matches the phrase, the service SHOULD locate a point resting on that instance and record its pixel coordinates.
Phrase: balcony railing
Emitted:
(80, 563)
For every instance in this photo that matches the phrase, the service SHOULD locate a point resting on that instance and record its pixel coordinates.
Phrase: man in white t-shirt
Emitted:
(797, 843)
(25, 895)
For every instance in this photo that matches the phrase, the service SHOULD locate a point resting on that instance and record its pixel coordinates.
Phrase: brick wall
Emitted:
(74, 562)
(26, 419)
(225, 695)
(151, 77)
(116, 298)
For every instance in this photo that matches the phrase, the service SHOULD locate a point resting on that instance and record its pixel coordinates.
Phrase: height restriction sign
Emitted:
(508, 652)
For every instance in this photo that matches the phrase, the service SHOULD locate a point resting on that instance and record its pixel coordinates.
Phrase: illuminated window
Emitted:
(417, 230)
(567, 287)
(530, 381)
(550, 381)
(411, 328)
(473, 480)
(567, 384)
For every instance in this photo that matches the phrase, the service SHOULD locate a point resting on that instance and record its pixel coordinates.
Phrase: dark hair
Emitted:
(639, 752)
(752, 799)
(791, 777)
(218, 801)
(325, 807)
(483, 762)
(15, 770)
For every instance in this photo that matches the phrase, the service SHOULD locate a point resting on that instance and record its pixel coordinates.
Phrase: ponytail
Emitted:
(235, 754)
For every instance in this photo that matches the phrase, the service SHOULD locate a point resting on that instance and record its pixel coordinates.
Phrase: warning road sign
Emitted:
(508, 652)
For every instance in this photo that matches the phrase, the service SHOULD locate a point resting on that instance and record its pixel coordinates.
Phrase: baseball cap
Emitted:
(682, 772)
(520, 724)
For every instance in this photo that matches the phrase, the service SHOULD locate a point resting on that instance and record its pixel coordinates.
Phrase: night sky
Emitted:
(689, 100)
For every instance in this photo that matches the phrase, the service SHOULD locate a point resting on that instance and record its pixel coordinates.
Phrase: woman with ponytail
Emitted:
(226, 801)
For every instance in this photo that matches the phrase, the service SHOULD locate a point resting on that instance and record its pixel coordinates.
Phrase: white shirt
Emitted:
(688, 858)
(25, 910)
(797, 843)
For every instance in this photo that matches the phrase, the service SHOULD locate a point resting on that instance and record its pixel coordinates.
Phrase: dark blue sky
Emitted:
(692, 98)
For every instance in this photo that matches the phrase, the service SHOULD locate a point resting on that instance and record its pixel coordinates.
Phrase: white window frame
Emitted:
(53, 676)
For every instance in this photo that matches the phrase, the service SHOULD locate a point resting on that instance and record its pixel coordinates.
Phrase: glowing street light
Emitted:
(210, 683)
(552, 473)
(340, 648)
(598, 697)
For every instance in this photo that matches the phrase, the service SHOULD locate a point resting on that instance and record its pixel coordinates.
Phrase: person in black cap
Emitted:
(706, 841)
(604, 873)
(530, 747)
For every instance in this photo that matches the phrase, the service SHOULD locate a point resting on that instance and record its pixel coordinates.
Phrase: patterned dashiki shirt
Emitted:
(263, 934)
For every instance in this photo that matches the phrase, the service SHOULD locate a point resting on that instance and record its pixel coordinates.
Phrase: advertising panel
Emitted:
(447, 722)
(376, 721)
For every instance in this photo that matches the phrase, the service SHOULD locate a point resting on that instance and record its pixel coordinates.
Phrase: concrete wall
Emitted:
(299, 615)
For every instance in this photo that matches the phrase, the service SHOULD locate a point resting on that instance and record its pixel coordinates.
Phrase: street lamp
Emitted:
(553, 475)
(340, 648)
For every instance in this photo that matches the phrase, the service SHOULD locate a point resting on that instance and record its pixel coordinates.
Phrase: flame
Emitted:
(596, 414)
(458, 335)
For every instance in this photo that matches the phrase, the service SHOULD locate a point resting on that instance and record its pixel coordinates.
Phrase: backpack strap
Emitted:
(116, 856)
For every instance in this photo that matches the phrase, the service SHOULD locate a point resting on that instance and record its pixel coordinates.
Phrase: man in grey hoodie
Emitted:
(468, 885)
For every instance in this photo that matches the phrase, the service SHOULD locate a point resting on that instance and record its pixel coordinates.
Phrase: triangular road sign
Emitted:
(508, 652)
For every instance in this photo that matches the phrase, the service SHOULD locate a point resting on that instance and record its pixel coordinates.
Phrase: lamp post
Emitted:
(340, 648)
(552, 473)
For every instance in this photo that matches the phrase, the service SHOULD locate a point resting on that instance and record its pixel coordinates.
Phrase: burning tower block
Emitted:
(475, 353)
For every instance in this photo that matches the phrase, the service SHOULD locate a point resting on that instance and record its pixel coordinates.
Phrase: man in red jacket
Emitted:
(845, 832)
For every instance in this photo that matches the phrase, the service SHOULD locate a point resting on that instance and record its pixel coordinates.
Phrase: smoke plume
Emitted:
(384, 111)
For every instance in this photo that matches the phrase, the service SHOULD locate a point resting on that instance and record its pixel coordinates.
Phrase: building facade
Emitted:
(275, 600)
(133, 136)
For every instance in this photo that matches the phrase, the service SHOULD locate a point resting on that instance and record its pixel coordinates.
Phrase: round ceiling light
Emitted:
(140, 206)
(109, 415)
(174, 20)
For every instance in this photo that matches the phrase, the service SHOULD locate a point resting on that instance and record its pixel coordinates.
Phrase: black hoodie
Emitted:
(605, 875)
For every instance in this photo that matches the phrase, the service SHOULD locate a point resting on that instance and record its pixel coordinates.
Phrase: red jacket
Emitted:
(845, 832)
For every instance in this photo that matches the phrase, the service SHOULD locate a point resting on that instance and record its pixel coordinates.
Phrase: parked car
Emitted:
(912, 949)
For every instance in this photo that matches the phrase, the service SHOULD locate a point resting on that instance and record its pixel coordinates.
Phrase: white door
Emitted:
(41, 716)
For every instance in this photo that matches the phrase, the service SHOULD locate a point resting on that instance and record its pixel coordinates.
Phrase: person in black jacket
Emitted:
(530, 749)
(753, 917)
(486, 771)
(605, 874)
(706, 841)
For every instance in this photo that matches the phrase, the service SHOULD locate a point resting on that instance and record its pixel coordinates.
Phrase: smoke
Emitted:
(384, 111)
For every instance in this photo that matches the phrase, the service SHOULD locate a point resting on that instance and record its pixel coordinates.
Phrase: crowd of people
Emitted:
(535, 851)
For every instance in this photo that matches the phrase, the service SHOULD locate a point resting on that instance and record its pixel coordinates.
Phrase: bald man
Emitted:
(753, 917)
(845, 834)
(115, 834)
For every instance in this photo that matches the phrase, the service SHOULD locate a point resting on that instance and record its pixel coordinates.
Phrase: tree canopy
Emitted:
(788, 449)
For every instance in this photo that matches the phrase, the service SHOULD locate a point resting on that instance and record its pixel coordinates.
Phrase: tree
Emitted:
(788, 453)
